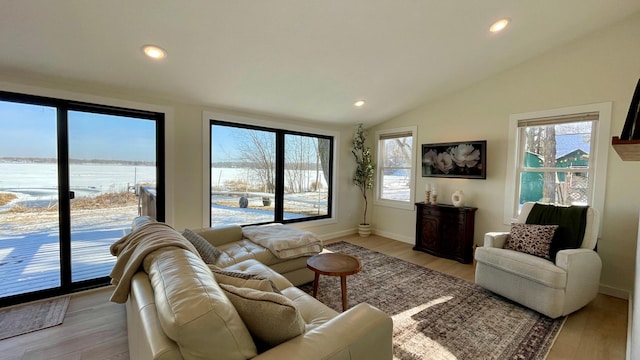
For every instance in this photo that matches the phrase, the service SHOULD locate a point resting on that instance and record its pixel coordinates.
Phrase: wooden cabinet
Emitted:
(445, 231)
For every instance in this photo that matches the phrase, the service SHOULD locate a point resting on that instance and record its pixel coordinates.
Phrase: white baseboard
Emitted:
(337, 234)
(615, 292)
(405, 239)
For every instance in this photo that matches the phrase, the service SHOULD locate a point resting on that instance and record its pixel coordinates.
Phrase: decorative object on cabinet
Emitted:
(456, 159)
(445, 231)
(364, 174)
(434, 198)
(457, 198)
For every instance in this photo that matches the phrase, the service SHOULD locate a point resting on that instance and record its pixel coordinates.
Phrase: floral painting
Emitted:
(459, 159)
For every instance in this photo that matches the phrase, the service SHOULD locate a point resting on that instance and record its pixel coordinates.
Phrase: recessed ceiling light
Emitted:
(154, 52)
(499, 25)
(359, 103)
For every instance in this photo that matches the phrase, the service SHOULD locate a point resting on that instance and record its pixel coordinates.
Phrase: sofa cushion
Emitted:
(312, 310)
(220, 235)
(252, 266)
(243, 280)
(571, 221)
(244, 249)
(208, 252)
(271, 318)
(531, 239)
(194, 311)
(523, 265)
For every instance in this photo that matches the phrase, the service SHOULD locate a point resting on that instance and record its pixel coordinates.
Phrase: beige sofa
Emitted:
(235, 248)
(177, 310)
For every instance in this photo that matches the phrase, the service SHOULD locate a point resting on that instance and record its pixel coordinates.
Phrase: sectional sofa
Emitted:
(180, 307)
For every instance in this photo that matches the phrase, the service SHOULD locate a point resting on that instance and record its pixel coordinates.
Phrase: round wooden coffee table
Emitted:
(334, 264)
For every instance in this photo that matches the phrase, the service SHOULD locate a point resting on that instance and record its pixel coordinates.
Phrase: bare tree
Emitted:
(299, 151)
(549, 160)
(400, 152)
(258, 148)
(323, 152)
(541, 140)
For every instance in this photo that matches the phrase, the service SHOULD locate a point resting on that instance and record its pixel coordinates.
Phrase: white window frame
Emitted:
(598, 154)
(406, 205)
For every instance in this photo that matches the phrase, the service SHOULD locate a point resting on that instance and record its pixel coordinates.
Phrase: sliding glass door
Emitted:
(72, 178)
(111, 160)
(29, 218)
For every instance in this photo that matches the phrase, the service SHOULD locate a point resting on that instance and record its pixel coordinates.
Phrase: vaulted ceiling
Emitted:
(299, 59)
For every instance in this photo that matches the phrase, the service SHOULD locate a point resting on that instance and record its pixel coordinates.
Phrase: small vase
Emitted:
(364, 230)
(457, 198)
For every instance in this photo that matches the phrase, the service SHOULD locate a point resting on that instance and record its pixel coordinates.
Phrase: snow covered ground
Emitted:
(36, 185)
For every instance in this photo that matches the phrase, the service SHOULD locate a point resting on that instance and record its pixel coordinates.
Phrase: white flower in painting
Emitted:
(465, 155)
(430, 158)
(444, 162)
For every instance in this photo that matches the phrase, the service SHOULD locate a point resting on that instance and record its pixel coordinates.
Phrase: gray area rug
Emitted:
(438, 316)
(40, 315)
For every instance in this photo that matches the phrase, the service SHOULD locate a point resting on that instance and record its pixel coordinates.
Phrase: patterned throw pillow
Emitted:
(243, 280)
(531, 239)
(271, 318)
(208, 252)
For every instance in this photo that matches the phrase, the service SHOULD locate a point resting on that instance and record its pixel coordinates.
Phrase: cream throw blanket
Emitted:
(132, 248)
(283, 241)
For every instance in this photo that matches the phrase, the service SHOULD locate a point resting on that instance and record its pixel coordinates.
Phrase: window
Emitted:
(396, 167)
(263, 175)
(558, 157)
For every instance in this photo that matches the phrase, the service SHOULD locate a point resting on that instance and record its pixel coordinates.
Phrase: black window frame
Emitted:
(63, 107)
(280, 170)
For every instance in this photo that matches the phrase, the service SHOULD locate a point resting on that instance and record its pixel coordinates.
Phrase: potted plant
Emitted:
(364, 174)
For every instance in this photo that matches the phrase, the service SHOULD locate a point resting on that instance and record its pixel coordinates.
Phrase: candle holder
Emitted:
(434, 199)
(427, 196)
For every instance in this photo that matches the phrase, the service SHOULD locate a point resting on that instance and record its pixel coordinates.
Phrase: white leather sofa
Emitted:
(177, 310)
(235, 248)
(551, 288)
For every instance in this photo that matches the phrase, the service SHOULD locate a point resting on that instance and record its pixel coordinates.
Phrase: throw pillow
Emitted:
(208, 252)
(271, 318)
(571, 221)
(531, 239)
(243, 280)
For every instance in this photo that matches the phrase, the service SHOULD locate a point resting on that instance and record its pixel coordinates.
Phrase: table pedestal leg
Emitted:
(315, 284)
(343, 284)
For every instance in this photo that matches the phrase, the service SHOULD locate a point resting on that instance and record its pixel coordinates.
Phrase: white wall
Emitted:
(601, 67)
(633, 347)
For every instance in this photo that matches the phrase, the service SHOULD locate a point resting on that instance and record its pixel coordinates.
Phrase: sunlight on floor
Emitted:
(422, 341)
(409, 313)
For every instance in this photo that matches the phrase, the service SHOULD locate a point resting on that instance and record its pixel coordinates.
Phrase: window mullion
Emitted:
(279, 191)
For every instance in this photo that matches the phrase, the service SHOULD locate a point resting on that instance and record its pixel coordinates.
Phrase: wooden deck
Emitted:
(32, 262)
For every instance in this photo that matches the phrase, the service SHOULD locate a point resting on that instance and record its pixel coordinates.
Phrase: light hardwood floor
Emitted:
(95, 328)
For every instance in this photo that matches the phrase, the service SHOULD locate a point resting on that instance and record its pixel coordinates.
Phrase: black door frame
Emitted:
(62, 138)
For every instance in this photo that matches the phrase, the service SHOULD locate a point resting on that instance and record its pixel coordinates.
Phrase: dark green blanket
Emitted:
(572, 222)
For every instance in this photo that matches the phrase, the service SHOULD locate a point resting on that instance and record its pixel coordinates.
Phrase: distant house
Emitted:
(573, 151)
(531, 182)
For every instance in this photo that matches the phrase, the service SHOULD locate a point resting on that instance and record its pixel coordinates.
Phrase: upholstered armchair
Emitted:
(554, 287)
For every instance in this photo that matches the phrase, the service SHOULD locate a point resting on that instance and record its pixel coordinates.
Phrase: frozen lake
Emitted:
(37, 184)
